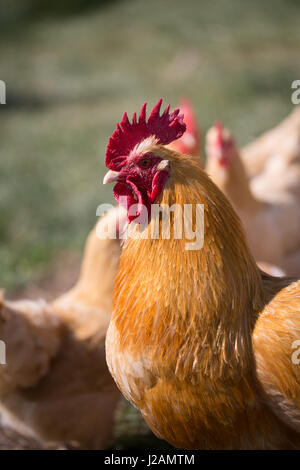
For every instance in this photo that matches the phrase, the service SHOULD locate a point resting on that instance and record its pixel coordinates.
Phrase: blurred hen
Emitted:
(283, 141)
(56, 385)
(190, 142)
(268, 206)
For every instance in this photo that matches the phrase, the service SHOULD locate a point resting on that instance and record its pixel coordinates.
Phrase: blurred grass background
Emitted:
(73, 67)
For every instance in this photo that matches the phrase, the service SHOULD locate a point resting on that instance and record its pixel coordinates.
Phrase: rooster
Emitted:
(268, 206)
(199, 340)
(55, 385)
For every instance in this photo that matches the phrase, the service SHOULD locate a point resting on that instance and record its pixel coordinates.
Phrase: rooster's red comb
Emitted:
(165, 128)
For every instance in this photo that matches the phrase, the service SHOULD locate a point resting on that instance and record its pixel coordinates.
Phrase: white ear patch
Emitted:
(163, 165)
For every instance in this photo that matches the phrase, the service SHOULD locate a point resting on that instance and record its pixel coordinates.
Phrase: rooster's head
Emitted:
(135, 156)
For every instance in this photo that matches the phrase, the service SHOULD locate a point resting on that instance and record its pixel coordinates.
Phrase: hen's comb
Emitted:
(219, 129)
(187, 110)
(165, 128)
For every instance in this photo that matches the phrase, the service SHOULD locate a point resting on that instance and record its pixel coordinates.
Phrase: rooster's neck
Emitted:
(191, 304)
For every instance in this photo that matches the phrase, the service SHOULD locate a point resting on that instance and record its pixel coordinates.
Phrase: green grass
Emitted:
(69, 78)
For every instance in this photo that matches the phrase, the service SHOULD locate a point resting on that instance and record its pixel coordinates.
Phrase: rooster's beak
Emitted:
(111, 177)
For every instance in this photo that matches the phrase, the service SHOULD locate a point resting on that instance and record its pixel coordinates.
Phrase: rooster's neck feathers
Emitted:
(163, 292)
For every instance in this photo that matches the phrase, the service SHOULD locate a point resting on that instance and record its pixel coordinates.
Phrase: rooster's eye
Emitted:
(145, 162)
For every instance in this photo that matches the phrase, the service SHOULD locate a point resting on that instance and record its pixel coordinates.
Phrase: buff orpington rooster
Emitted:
(199, 340)
(268, 205)
(55, 385)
